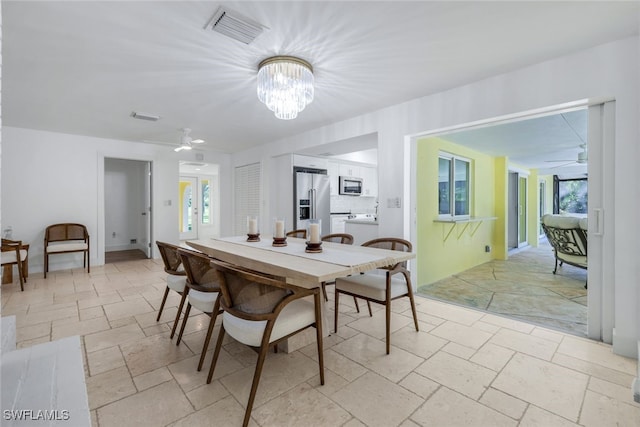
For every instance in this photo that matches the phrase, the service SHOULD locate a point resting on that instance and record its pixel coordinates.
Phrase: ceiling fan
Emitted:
(186, 142)
(581, 159)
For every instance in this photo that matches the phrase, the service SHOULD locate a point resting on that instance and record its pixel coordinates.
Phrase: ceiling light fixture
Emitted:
(285, 85)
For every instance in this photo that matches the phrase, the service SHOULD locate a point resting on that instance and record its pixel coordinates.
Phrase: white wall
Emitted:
(124, 204)
(61, 179)
(610, 70)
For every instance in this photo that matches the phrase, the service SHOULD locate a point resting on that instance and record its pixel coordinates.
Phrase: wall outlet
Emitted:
(487, 248)
(133, 241)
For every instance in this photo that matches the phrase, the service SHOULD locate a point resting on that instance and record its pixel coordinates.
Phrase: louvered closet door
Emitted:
(247, 195)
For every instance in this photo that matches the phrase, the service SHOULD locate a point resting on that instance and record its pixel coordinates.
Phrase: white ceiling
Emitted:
(82, 67)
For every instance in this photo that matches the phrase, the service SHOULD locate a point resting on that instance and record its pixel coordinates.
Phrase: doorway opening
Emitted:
(198, 201)
(502, 236)
(127, 209)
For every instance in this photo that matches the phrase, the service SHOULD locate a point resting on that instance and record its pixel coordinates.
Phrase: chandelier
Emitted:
(285, 85)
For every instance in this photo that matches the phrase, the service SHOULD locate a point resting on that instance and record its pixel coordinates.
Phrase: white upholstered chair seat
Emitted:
(203, 301)
(64, 247)
(176, 283)
(9, 257)
(573, 259)
(371, 286)
(295, 315)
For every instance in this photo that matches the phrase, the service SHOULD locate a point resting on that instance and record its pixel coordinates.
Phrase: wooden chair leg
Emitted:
(413, 308)
(264, 349)
(184, 322)
(324, 292)
(388, 326)
(177, 319)
(46, 264)
(212, 322)
(355, 301)
(369, 307)
(88, 262)
(335, 314)
(20, 275)
(216, 353)
(164, 299)
(319, 338)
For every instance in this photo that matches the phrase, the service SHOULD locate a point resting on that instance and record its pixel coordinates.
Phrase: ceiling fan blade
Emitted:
(197, 141)
(556, 161)
(566, 164)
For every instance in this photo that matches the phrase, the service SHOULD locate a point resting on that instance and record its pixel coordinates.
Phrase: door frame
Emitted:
(100, 240)
(195, 207)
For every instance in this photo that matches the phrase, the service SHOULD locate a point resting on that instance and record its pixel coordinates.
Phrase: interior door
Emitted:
(146, 214)
(188, 206)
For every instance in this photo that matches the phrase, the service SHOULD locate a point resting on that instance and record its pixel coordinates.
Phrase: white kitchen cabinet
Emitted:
(369, 177)
(310, 162)
(333, 170)
(338, 223)
(347, 169)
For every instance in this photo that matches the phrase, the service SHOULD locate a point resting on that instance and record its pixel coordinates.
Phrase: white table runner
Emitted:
(332, 253)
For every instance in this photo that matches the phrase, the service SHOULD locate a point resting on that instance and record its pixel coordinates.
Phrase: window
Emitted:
(453, 186)
(205, 193)
(570, 194)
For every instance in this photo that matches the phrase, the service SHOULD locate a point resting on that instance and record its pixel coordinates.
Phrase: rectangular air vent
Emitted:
(234, 25)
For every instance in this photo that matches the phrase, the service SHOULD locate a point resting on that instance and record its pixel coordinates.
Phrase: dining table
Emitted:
(299, 267)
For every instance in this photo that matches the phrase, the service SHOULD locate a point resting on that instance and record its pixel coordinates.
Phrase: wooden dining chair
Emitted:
(300, 233)
(176, 278)
(14, 252)
(202, 291)
(260, 311)
(378, 288)
(66, 238)
(345, 239)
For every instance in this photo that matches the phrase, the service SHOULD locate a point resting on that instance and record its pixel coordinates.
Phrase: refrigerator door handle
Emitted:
(313, 204)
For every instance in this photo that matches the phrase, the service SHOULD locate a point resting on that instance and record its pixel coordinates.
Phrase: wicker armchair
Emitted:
(14, 252)
(176, 278)
(66, 238)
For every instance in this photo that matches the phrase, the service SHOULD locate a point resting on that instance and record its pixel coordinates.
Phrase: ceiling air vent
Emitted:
(192, 164)
(144, 116)
(234, 25)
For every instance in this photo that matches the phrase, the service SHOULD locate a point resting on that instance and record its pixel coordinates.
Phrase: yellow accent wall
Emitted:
(501, 203)
(439, 258)
(183, 186)
(533, 208)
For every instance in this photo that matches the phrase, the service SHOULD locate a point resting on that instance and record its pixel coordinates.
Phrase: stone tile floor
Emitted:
(464, 367)
(522, 287)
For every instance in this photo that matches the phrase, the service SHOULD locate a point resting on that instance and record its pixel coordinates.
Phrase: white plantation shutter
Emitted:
(247, 191)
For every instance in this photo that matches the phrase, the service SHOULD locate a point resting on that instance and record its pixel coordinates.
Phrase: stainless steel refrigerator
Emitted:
(312, 200)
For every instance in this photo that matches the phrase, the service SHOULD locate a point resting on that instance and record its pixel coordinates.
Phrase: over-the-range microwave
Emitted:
(350, 186)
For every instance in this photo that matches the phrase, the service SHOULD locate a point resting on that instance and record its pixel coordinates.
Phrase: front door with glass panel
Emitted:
(188, 207)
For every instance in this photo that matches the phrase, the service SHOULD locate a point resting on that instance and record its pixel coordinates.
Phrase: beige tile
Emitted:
(551, 387)
(486, 327)
(302, 406)
(36, 317)
(614, 391)
(376, 326)
(156, 329)
(409, 423)
(459, 350)
(207, 394)
(124, 321)
(450, 312)
(111, 337)
(547, 334)
(281, 372)
(371, 353)
(458, 374)
(461, 334)
(420, 343)
(107, 298)
(332, 383)
(341, 365)
(419, 385)
(105, 360)
(492, 356)
(354, 422)
(536, 417)
(524, 343)
(226, 412)
(371, 397)
(152, 352)
(156, 406)
(91, 313)
(597, 353)
(84, 327)
(451, 409)
(31, 342)
(505, 322)
(593, 369)
(152, 379)
(599, 410)
(109, 386)
(504, 403)
(149, 319)
(122, 309)
(33, 331)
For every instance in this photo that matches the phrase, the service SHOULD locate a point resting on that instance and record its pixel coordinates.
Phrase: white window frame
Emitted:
(452, 158)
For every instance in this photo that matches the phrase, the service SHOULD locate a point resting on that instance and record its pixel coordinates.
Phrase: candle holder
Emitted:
(253, 233)
(253, 237)
(279, 241)
(279, 236)
(313, 247)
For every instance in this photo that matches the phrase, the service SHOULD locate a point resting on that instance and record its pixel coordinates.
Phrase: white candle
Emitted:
(279, 229)
(314, 233)
(253, 226)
